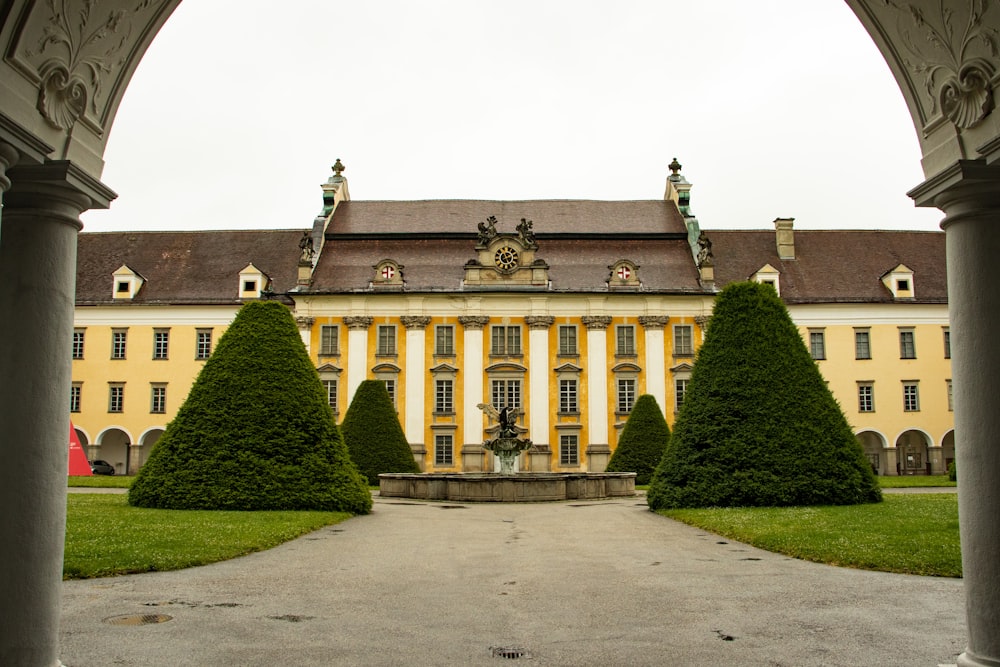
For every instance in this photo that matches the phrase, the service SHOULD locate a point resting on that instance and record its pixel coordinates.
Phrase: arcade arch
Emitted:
(874, 445)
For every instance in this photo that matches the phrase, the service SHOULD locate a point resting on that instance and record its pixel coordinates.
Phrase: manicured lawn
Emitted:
(102, 481)
(911, 534)
(105, 536)
(909, 481)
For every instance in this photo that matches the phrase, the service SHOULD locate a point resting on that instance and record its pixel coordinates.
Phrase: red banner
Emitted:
(78, 464)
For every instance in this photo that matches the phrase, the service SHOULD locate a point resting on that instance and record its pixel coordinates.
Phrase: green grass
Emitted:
(910, 481)
(102, 481)
(911, 534)
(105, 536)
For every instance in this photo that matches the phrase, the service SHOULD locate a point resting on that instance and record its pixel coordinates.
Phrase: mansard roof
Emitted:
(551, 216)
(185, 267)
(578, 240)
(835, 265)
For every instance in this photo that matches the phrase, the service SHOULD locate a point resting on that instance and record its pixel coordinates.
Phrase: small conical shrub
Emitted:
(759, 427)
(255, 432)
(373, 435)
(642, 442)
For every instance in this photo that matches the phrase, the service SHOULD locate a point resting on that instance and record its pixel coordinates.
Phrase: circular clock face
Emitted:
(505, 258)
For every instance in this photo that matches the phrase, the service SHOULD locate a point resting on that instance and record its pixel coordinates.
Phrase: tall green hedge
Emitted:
(373, 435)
(642, 441)
(255, 432)
(759, 427)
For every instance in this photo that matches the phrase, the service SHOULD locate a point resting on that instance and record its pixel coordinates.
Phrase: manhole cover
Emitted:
(138, 619)
(508, 652)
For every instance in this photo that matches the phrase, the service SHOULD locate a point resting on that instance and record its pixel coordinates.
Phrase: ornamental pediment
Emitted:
(506, 259)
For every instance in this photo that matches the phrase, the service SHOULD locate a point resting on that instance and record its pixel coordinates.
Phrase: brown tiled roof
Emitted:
(184, 267)
(549, 216)
(835, 266)
(579, 240)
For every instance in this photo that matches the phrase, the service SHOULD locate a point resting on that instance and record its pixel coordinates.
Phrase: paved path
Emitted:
(577, 583)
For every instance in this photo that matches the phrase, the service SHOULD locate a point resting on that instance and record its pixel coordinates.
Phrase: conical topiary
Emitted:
(643, 440)
(759, 427)
(373, 435)
(255, 432)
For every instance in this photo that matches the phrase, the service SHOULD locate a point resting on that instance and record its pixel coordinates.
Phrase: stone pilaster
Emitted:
(597, 391)
(473, 454)
(538, 390)
(656, 366)
(415, 380)
(357, 351)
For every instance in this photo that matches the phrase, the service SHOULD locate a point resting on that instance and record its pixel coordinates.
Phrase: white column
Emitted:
(357, 352)
(41, 219)
(472, 382)
(597, 380)
(538, 377)
(305, 332)
(416, 377)
(656, 367)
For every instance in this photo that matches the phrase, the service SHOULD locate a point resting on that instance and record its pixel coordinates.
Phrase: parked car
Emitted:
(99, 467)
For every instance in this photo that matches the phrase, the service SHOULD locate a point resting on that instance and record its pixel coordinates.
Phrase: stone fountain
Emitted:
(507, 485)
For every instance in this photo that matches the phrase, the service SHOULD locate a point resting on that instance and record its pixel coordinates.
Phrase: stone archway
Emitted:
(114, 445)
(143, 447)
(948, 449)
(913, 453)
(874, 445)
(58, 98)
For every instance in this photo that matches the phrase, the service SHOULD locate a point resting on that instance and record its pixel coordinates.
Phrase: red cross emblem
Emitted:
(388, 272)
(624, 273)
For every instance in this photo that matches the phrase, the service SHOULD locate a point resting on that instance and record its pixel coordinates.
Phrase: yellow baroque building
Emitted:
(565, 311)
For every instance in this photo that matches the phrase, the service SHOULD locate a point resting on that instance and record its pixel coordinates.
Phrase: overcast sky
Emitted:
(775, 108)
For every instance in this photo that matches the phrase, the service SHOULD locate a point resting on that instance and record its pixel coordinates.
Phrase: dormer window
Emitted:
(767, 275)
(899, 281)
(388, 274)
(126, 283)
(624, 275)
(253, 282)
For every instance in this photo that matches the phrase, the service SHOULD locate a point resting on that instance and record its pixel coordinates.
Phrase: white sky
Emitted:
(775, 108)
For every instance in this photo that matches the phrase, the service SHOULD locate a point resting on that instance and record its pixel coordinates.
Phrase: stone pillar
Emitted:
(656, 360)
(416, 377)
(969, 194)
(472, 387)
(538, 388)
(305, 325)
(41, 219)
(598, 447)
(357, 351)
(8, 157)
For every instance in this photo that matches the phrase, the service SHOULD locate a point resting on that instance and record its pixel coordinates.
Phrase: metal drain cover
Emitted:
(508, 652)
(138, 619)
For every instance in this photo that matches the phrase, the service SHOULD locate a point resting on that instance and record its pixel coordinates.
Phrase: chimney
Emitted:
(784, 237)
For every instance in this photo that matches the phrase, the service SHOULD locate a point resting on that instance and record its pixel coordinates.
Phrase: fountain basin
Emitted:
(523, 487)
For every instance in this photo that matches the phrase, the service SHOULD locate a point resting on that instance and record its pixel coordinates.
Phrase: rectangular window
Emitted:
(625, 340)
(329, 340)
(907, 344)
(626, 395)
(118, 340)
(911, 397)
(444, 450)
(683, 344)
(330, 389)
(567, 340)
(506, 341)
(866, 397)
(443, 391)
(116, 398)
(951, 399)
(158, 399)
(569, 450)
(567, 396)
(862, 344)
(506, 394)
(390, 386)
(386, 340)
(78, 335)
(75, 393)
(161, 341)
(817, 344)
(680, 389)
(203, 344)
(947, 343)
(444, 340)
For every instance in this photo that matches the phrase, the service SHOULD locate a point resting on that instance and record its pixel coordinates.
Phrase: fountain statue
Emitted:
(506, 446)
